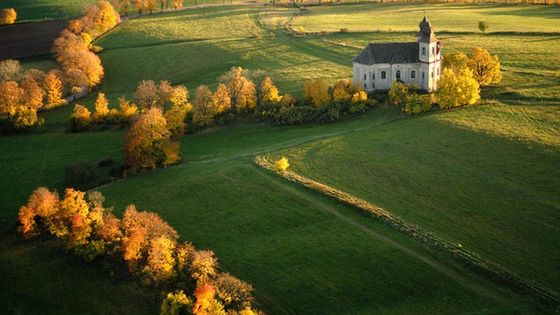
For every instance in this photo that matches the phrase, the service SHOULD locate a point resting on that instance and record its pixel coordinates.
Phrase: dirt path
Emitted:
(434, 264)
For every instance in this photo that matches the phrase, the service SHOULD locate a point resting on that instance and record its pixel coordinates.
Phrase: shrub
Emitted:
(10, 70)
(281, 164)
(483, 26)
(398, 94)
(344, 30)
(80, 118)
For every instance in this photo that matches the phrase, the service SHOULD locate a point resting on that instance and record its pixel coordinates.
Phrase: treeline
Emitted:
(143, 241)
(147, 6)
(22, 95)
(461, 79)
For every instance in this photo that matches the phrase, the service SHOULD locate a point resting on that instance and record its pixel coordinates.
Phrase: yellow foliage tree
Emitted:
(10, 70)
(177, 4)
(359, 97)
(485, 67)
(241, 90)
(456, 60)
(204, 107)
(269, 92)
(101, 108)
(457, 89)
(281, 164)
(128, 110)
(53, 90)
(42, 203)
(316, 92)
(222, 99)
(179, 96)
(398, 94)
(160, 265)
(8, 16)
(80, 118)
(175, 118)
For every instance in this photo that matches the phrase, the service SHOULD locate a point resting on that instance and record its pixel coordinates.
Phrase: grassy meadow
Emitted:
(484, 176)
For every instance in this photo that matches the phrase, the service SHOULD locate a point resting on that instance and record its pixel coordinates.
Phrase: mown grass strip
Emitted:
(487, 268)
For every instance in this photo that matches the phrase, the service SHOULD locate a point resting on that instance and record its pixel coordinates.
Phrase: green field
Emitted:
(484, 176)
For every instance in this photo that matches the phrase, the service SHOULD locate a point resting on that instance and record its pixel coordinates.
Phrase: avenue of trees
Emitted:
(461, 79)
(23, 94)
(142, 240)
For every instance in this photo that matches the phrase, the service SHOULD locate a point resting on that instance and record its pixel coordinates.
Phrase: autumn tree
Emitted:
(204, 107)
(222, 99)
(146, 95)
(485, 67)
(32, 93)
(53, 90)
(80, 118)
(241, 90)
(316, 92)
(8, 16)
(99, 18)
(398, 94)
(342, 91)
(10, 97)
(234, 293)
(146, 142)
(10, 70)
(456, 60)
(42, 204)
(179, 96)
(269, 92)
(128, 110)
(204, 266)
(101, 108)
(176, 303)
(177, 4)
(160, 265)
(175, 118)
(359, 97)
(457, 89)
(287, 101)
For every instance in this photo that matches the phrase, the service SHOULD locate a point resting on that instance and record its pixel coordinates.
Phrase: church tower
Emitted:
(429, 54)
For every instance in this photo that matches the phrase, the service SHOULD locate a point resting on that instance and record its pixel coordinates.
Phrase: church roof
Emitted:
(388, 53)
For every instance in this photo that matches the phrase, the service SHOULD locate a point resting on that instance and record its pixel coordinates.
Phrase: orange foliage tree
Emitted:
(146, 142)
(53, 90)
(8, 16)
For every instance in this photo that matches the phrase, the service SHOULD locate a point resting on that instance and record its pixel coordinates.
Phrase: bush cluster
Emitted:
(408, 99)
(148, 245)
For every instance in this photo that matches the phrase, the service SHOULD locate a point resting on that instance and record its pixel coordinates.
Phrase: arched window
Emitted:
(398, 74)
(365, 76)
(373, 76)
(433, 50)
(423, 75)
(413, 74)
(383, 75)
(423, 51)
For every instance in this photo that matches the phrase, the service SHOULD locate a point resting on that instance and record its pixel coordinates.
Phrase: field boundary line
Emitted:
(489, 269)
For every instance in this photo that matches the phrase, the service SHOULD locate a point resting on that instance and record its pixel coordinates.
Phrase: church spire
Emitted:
(426, 33)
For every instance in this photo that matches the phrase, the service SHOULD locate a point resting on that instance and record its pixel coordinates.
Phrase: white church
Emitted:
(379, 65)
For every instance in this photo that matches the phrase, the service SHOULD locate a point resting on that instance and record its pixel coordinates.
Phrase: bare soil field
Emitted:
(23, 40)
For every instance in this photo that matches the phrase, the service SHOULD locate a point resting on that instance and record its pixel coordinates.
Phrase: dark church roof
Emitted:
(388, 53)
